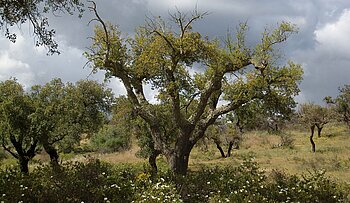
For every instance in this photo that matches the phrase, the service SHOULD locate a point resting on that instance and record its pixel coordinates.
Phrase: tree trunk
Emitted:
(179, 157)
(319, 129)
(229, 149)
(220, 149)
(152, 160)
(23, 164)
(311, 139)
(52, 153)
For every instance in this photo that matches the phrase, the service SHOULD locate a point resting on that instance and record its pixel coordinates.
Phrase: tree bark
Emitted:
(179, 157)
(220, 148)
(319, 129)
(23, 165)
(52, 152)
(152, 160)
(311, 139)
(230, 145)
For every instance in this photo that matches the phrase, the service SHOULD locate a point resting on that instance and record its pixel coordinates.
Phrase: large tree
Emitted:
(191, 73)
(16, 132)
(17, 12)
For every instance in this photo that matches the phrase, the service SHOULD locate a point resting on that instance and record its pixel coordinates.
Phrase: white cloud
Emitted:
(334, 37)
(10, 67)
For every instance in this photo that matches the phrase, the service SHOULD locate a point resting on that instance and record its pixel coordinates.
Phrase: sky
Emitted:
(322, 45)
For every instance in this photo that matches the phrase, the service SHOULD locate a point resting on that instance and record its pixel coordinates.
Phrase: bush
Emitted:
(286, 141)
(96, 181)
(93, 181)
(111, 139)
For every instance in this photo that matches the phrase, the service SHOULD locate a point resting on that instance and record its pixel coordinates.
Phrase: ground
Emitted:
(332, 153)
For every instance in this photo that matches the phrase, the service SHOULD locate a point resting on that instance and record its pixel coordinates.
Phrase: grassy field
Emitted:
(332, 153)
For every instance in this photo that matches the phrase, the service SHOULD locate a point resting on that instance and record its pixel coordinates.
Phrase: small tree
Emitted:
(16, 132)
(161, 56)
(224, 132)
(314, 116)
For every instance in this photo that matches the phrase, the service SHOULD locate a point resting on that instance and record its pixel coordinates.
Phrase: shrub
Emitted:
(286, 141)
(111, 139)
(96, 181)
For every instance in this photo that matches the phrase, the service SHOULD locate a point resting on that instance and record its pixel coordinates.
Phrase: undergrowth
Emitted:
(96, 181)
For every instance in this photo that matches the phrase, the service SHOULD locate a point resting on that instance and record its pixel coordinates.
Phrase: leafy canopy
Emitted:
(191, 74)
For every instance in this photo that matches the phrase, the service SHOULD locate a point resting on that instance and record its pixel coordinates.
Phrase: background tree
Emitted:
(18, 12)
(117, 134)
(342, 104)
(16, 132)
(314, 115)
(224, 132)
(269, 114)
(63, 112)
(161, 56)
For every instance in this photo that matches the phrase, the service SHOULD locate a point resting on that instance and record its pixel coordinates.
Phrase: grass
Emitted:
(332, 153)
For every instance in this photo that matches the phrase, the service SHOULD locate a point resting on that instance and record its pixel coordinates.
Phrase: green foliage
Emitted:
(54, 112)
(111, 138)
(191, 74)
(95, 181)
(13, 12)
(65, 111)
(17, 135)
(343, 104)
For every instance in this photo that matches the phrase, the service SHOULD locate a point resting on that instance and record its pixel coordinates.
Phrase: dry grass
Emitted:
(332, 153)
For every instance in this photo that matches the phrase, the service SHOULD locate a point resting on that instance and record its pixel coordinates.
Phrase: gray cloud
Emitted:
(321, 45)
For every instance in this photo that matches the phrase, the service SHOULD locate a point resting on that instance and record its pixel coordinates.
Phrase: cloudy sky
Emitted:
(322, 45)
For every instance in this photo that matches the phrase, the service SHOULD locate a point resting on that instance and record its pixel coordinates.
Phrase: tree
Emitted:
(268, 114)
(17, 12)
(161, 56)
(64, 112)
(16, 132)
(314, 116)
(224, 132)
(342, 104)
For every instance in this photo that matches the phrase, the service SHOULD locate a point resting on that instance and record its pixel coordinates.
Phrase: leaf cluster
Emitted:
(13, 12)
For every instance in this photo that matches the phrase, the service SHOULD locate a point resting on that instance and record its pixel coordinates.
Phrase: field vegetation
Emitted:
(224, 127)
(268, 167)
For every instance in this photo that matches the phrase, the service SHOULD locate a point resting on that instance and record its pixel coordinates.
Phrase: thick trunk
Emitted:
(311, 139)
(23, 164)
(178, 158)
(179, 163)
(152, 160)
(52, 153)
